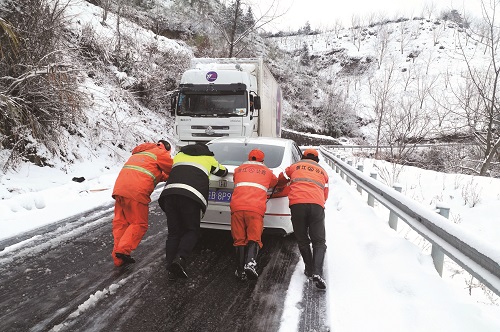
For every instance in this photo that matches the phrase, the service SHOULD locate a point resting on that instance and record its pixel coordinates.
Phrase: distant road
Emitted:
(427, 145)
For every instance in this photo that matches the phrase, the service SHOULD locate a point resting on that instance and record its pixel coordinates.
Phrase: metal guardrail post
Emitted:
(444, 211)
(349, 162)
(360, 168)
(329, 161)
(393, 217)
(436, 252)
(371, 199)
(342, 172)
(337, 168)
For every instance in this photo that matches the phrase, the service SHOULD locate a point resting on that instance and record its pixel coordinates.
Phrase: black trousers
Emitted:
(308, 222)
(183, 221)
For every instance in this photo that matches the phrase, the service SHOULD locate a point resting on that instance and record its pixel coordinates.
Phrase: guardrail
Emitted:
(384, 146)
(479, 260)
(395, 147)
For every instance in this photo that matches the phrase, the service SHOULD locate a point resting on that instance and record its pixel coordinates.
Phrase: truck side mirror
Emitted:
(256, 102)
(173, 104)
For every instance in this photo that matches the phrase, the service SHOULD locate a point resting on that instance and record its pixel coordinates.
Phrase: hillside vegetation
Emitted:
(99, 73)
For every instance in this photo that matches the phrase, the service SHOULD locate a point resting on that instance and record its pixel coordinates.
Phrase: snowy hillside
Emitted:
(124, 96)
(335, 83)
(414, 65)
(380, 82)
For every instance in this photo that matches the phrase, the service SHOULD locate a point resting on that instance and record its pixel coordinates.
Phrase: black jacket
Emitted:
(190, 174)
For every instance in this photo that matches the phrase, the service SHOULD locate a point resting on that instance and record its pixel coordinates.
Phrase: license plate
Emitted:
(219, 196)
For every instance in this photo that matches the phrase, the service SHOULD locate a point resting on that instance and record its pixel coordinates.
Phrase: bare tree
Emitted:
(356, 31)
(407, 77)
(428, 60)
(383, 102)
(484, 81)
(118, 46)
(236, 26)
(337, 27)
(404, 35)
(371, 19)
(437, 32)
(106, 7)
(425, 84)
(383, 39)
(453, 118)
(337, 113)
(404, 126)
(429, 8)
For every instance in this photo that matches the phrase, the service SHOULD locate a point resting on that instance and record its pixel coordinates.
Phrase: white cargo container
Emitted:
(226, 97)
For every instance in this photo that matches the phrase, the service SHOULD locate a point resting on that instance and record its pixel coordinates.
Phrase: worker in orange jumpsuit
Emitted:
(149, 164)
(252, 179)
(308, 185)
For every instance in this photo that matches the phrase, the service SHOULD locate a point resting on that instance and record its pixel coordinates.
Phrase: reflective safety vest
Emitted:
(308, 183)
(251, 181)
(190, 177)
(148, 165)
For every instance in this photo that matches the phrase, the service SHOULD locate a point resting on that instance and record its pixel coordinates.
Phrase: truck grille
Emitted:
(213, 127)
(209, 135)
(210, 131)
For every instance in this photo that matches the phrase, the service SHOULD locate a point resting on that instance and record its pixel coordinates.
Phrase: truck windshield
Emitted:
(210, 105)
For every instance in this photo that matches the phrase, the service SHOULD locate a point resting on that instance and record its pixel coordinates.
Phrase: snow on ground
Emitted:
(38, 196)
(378, 280)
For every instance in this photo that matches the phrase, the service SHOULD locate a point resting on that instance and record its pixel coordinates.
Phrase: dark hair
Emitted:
(311, 156)
(165, 144)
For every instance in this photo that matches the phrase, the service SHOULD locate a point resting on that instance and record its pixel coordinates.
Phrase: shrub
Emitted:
(38, 89)
(471, 193)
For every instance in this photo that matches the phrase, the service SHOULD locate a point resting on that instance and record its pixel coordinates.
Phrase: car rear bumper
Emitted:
(218, 216)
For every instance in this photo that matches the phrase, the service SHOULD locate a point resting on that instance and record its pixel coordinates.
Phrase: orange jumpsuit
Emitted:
(149, 164)
(307, 196)
(308, 183)
(248, 201)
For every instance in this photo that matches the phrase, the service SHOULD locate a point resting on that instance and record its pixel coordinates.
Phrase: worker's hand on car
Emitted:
(282, 180)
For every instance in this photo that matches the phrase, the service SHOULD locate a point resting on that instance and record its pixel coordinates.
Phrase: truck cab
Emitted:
(219, 98)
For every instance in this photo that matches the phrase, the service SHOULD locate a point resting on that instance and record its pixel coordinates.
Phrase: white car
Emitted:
(232, 152)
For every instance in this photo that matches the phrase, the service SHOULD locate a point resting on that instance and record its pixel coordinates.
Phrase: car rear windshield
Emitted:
(237, 153)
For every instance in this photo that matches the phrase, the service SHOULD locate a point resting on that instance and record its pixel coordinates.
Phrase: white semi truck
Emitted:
(226, 97)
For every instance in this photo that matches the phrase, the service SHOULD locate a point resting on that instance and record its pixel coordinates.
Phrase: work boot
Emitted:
(240, 275)
(117, 261)
(178, 267)
(240, 263)
(251, 270)
(318, 258)
(171, 276)
(170, 252)
(319, 282)
(125, 258)
(307, 257)
(250, 263)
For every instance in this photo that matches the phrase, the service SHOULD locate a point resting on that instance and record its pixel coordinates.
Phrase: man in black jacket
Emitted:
(184, 201)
